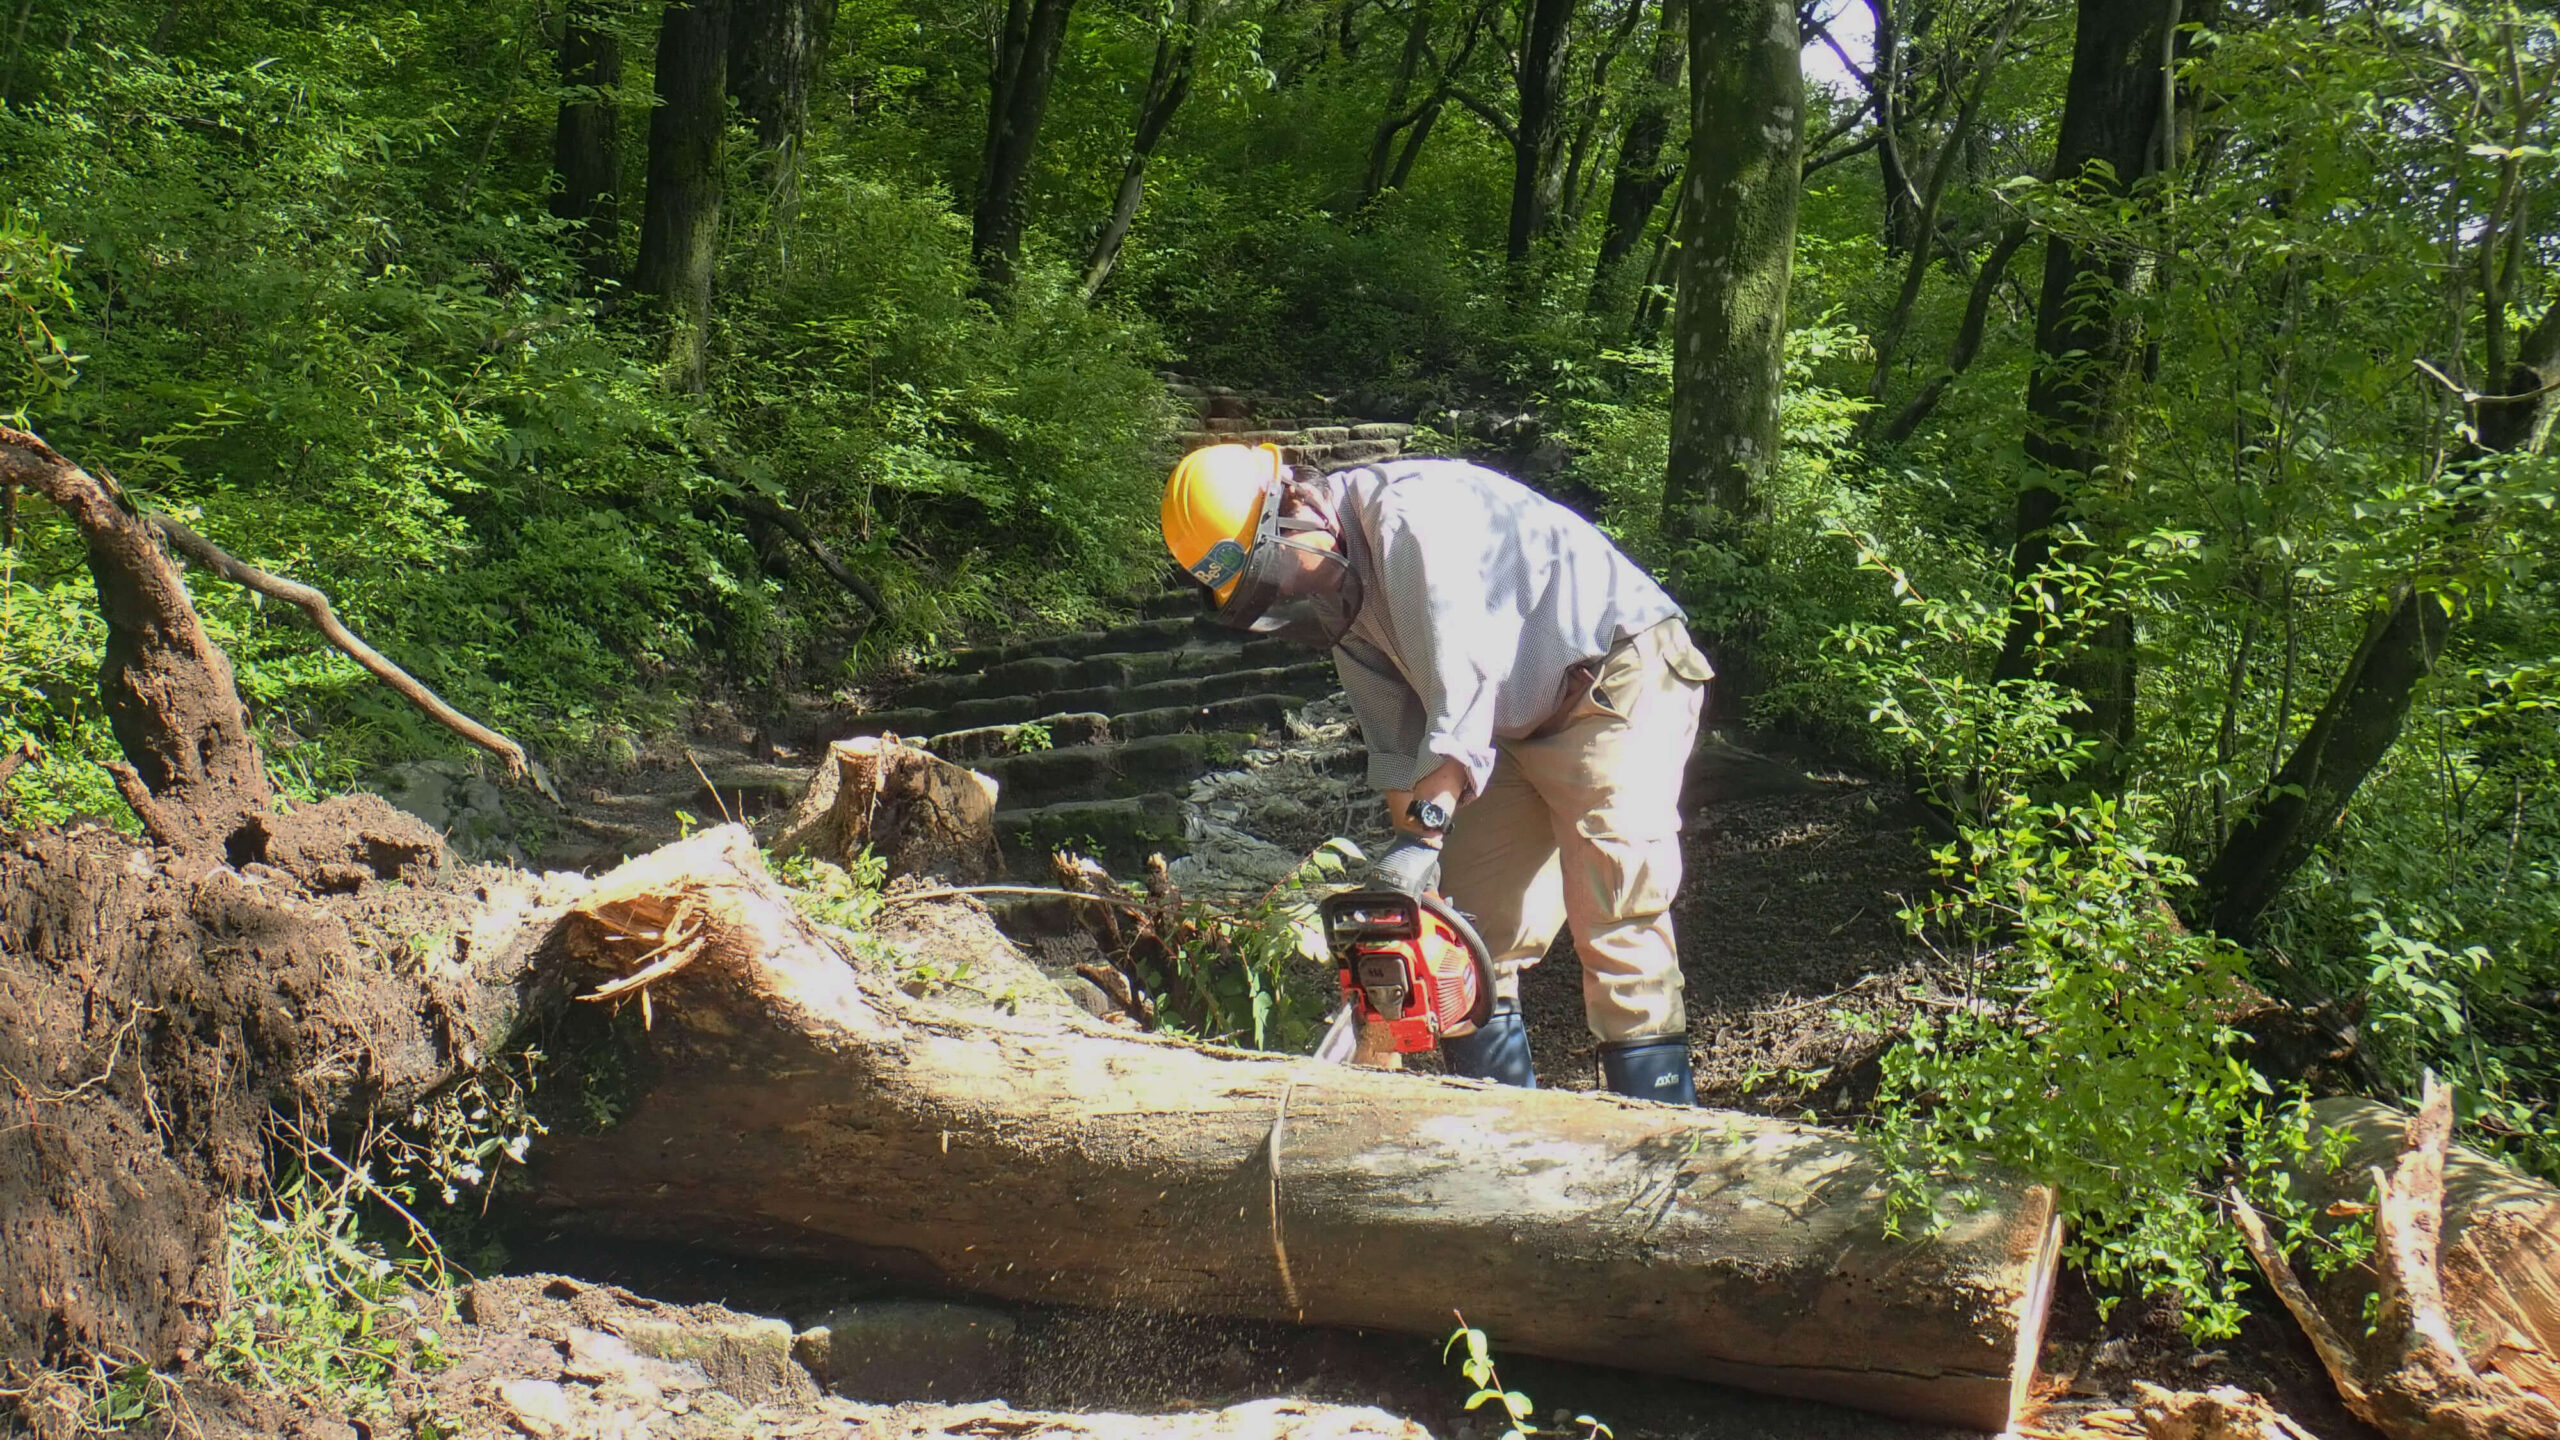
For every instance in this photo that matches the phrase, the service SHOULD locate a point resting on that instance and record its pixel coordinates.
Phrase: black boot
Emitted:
(1649, 1069)
(1498, 1050)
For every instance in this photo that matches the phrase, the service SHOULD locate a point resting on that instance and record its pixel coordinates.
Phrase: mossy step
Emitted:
(1050, 674)
(1120, 833)
(1160, 634)
(1183, 603)
(1261, 714)
(1097, 772)
(1310, 679)
(991, 742)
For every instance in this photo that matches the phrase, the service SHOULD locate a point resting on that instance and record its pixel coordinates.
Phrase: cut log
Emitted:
(922, 814)
(786, 1103)
(2450, 1330)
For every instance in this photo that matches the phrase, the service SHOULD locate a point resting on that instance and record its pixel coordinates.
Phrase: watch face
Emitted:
(1431, 814)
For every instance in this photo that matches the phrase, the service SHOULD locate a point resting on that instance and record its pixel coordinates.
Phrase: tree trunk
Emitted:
(1635, 190)
(1746, 136)
(2354, 730)
(1977, 314)
(587, 148)
(1168, 85)
(921, 814)
(192, 771)
(776, 48)
(1887, 82)
(1026, 60)
(2111, 118)
(775, 51)
(785, 1104)
(2291, 818)
(680, 227)
(1417, 42)
(1537, 139)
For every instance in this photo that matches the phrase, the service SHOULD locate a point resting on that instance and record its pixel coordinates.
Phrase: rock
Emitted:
(539, 1408)
(898, 1350)
(749, 1356)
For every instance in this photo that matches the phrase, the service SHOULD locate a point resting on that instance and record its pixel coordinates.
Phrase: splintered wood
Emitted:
(675, 923)
(2465, 1329)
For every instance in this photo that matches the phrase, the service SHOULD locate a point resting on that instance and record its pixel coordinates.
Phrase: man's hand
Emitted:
(1411, 865)
(1444, 786)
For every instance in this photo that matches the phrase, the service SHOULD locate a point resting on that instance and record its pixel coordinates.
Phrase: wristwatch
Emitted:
(1429, 814)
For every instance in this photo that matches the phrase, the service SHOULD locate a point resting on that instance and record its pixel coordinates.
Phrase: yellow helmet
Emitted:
(1211, 508)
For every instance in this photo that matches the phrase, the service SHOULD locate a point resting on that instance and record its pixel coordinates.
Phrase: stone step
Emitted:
(1049, 674)
(1309, 679)
(1304, 681)
(988, 742)
(1185, 604)
(1381, 430)
(1120, 833)
(1261, 714)
(1158, 634)
(1037, 778)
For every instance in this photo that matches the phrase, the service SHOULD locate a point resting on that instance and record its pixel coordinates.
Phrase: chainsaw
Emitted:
(1413, 972)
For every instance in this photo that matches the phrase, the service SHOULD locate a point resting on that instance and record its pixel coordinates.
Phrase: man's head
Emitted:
(1263, 547)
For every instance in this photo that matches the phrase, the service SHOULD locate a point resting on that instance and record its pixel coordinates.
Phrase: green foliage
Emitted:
(828, 894)
(1518, 1410)
(314, 1309)
(50, 644)
(2088, 1045)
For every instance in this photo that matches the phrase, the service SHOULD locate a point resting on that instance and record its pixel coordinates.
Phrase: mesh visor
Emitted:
(1301, 593)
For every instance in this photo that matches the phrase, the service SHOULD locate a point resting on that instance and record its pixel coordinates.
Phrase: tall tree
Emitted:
(2113, 136)
(1738, 234)
(775, 47)
(1168, 84)
(680, 225)
(587, 145)
(1024, 64)
(1538, 135)
(1642, 173)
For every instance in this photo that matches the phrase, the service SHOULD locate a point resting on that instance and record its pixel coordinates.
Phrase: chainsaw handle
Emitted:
(1476, 952)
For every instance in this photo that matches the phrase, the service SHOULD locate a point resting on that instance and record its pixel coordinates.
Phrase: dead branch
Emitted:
(789, 523)
(325, 616)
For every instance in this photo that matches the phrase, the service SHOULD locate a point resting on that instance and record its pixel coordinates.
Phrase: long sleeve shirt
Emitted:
(1480, 596)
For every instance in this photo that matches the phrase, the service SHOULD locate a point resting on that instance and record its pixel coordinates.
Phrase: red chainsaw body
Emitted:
(1403, 967)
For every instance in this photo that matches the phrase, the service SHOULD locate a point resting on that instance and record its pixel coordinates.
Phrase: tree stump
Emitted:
(922, 814)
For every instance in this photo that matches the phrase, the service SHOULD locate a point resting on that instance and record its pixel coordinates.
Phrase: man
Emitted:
(1529, 697)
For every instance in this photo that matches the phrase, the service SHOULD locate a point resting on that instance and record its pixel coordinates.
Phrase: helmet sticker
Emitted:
(1224, 562)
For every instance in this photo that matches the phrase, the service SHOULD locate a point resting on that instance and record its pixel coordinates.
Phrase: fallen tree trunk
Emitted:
(783, 1103)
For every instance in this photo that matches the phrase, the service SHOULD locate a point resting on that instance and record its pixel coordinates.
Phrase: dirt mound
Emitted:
(154, 1014)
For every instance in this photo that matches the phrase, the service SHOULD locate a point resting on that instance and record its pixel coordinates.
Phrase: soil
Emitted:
(154, 1012)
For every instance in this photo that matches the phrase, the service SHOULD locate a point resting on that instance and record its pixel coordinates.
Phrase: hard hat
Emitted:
(1212, 507)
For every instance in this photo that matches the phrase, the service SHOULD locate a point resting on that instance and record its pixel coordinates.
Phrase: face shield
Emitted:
(1299, 592)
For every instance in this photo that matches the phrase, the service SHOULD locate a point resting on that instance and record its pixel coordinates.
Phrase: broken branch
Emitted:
(325, 616)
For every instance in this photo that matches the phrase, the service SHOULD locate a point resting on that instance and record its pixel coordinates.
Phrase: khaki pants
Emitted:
(1581, 825)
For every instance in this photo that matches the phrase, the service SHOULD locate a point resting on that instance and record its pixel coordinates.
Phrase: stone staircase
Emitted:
(1226, 416)
(1094, 738)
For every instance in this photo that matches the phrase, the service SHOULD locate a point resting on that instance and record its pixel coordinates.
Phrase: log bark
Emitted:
(2459, 1289)
(785, 1103)
(922, 814)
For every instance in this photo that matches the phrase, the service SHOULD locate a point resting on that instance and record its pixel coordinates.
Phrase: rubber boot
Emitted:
(1649, 1070)
(1498, 1050)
